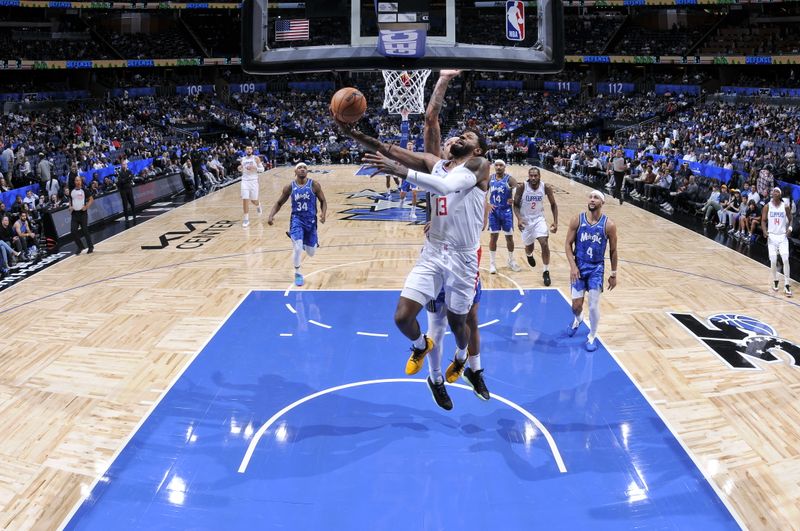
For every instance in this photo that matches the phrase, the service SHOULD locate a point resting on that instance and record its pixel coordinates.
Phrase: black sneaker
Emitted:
(440, 395)
(532, 261)
(774, 285)
(546, 277)
(475, 380)
(787, 290)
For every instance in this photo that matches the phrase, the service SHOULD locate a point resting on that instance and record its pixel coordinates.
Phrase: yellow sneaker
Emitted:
(455, 370)
(414, 363)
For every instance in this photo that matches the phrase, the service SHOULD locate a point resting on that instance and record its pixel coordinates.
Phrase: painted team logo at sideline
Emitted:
(369, 205)
(741, 341)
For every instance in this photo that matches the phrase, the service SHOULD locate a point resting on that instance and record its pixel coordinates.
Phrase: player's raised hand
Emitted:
(449, 74)
(384, 164)
(612, 282)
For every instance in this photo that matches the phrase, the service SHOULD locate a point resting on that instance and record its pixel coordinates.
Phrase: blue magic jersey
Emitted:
(590, 242)
(500, 192)
(304, 200)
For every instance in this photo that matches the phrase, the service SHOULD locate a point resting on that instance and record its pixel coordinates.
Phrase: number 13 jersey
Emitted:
(456, 218)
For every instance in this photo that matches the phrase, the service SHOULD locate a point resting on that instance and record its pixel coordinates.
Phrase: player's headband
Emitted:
(301, 164)
(776, 189)
(598, 194)
(499, 161)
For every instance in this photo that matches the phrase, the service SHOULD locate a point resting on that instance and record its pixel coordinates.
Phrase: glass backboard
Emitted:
(343, 35)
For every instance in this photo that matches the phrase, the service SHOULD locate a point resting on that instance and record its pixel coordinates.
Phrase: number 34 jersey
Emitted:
(456, 218)
(304, 200)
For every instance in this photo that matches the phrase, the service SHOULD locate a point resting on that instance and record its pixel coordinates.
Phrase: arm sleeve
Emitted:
(458, 179)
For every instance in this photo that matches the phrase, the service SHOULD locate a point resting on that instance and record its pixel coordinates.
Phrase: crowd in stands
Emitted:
(166, 44)
(50, 147)
(590, 34)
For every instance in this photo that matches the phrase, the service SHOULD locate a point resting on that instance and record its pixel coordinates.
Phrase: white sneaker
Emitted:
(246, 223)
(492, 269)
(414, 214)
(259, 210)
(512, 264)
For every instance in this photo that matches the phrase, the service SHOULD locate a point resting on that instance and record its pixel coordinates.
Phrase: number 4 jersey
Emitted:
(590, 242)
(456, 218)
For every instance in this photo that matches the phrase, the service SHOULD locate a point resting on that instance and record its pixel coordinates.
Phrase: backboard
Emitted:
(343, 35)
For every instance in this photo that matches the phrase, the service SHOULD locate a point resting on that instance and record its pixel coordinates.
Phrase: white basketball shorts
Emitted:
(250, 189)
(437, 267)
(777, 245)
(536, 228)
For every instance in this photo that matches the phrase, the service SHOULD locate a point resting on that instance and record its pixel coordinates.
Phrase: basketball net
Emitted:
(404, 91)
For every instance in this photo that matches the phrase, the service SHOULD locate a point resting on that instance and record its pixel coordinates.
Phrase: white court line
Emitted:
(493, 321)
(286, 335)
(723, 498)
(371, 334)
(264, 427)
(136, 428)
(286, 293)
(291, 309)
(520, 333)
(517, 307)
(323, 325)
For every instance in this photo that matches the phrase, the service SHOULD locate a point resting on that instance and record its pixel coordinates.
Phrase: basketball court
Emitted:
(177, 379)
(214, 394)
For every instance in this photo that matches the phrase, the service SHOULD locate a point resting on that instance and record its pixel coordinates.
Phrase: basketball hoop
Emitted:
(404, 91)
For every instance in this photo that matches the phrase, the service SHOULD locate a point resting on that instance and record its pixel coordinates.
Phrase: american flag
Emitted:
(291, 30)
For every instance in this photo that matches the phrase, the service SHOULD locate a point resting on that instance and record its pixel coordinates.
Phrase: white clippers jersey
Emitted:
(777, 222)
(250, 168)
(457, 218)
(532, 203)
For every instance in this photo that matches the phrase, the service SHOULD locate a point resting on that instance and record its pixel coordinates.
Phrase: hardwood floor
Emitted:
(91, 343)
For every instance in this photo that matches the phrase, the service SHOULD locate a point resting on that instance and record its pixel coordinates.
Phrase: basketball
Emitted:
(348, 105)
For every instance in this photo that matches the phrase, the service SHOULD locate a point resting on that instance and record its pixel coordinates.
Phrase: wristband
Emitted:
(613, 274)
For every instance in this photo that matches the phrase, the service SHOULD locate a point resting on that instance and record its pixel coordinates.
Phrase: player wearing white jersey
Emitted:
(250, 166)
(776, 224)
(529, 208)
(450, 256)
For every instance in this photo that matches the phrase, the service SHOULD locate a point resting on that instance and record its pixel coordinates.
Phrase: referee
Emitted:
(619, 167)
(79, 202)
(125, 186)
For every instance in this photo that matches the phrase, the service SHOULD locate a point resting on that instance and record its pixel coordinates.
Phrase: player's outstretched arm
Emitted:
(553, 207)
(569, 248)
(480, 167)
(285, 193)
(461, 178)
(611, 231)
(323, 203)
(410, 159)
(433, 131)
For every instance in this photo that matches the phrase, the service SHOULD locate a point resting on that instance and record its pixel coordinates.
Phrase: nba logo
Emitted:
(515, 21)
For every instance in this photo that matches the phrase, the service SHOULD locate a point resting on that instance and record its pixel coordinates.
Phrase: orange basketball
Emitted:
(348, 105)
